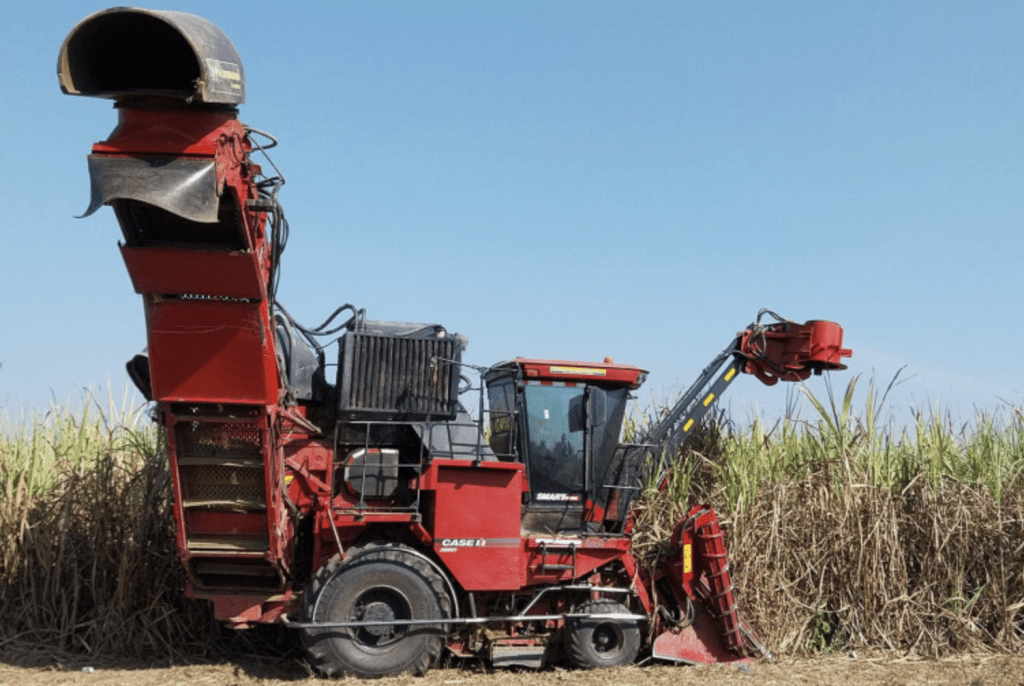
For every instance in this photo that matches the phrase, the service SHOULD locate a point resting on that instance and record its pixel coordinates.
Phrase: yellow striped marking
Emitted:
(580, 371)
(729, 374)
(707, 400)
(688, 425)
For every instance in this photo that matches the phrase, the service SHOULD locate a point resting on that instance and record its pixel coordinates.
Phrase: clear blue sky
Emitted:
(576, 180)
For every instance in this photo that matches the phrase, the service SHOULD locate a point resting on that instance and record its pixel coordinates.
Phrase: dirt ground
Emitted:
(847, 670)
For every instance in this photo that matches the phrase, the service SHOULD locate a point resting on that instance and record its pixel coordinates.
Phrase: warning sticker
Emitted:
(224, 77)
(580, 371)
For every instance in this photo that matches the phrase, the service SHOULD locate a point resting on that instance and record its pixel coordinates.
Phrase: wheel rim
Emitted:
(380, 604)
(606, 640)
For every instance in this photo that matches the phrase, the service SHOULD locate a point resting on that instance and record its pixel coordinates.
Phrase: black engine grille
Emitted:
(395, 377)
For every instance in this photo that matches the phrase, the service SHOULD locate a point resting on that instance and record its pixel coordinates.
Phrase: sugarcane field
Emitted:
(853, 565)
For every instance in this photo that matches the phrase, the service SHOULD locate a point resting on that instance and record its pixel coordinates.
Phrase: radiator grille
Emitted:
(387, 377)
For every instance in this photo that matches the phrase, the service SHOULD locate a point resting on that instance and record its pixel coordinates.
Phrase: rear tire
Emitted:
(384, 584)
(591, 643)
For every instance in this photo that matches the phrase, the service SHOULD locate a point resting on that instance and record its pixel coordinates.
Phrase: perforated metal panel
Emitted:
(220, 464)
(223, 484)
(208, 439)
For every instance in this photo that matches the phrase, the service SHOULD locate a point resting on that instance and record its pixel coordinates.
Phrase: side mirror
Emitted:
(597, 403)
(577, 417)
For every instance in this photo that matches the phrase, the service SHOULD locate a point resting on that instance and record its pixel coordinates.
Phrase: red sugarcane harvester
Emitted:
(371, 514)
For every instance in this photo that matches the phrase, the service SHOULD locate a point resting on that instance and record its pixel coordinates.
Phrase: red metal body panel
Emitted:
(169, 132)
(825, 347)
(183, 272)
(211, 351)
(698, 643)
(483, 564)
(583, 554)
(308, 472)
(476, 522)
(180, 528)
(240, 610)
(207, 523)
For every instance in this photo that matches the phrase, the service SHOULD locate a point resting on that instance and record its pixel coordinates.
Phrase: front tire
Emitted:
(594, 642)
(383, 585)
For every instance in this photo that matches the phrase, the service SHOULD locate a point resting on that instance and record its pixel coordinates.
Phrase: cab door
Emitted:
(555, 448)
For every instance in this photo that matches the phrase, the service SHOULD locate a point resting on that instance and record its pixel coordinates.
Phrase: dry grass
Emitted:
(87, 558)
(930, 569)
(844, 532)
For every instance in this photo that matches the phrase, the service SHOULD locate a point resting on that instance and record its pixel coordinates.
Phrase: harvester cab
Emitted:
(563, 421)
(367, 511)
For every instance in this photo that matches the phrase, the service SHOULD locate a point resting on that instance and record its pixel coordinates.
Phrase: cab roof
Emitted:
(594, 372)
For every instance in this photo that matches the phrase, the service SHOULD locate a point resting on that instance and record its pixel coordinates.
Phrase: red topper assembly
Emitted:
(368, 511)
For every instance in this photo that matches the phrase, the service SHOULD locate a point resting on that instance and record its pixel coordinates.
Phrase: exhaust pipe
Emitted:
(145, 56)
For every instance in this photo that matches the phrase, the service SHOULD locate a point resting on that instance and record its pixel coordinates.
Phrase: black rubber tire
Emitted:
(591, 643)
(385, 582)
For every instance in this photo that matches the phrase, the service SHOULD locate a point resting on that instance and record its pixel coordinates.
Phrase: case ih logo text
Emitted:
(463, 542)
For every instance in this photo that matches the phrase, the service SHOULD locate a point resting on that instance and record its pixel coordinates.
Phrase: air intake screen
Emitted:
(395, 377)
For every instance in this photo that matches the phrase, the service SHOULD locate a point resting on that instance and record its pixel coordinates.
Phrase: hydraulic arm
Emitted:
(782, 350)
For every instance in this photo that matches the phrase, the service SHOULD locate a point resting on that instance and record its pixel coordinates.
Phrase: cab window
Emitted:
(555, 431)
